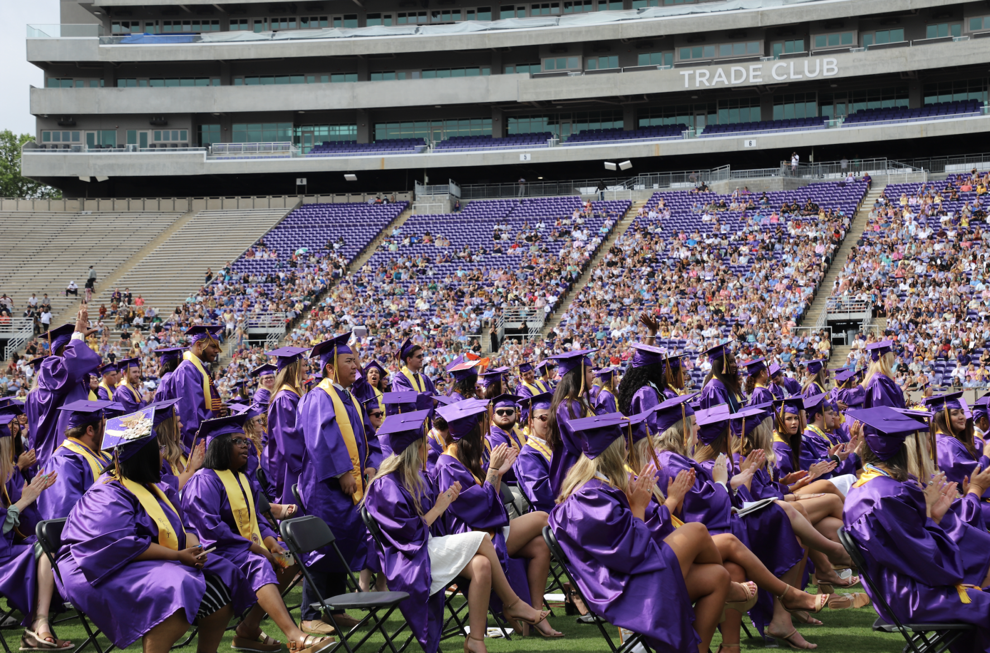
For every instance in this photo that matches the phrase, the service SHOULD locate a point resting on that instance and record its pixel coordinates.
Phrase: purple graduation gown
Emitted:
(188, 384)
(783, 451)
(760, 395)
(532, 469)
(497, 436)
(814, 448)
(405, 559)
(915, 562)
(715, 393)
(30, 516)
(103, 395)
(882, 391)
(18, 568)
(166, 388)
(125, 397)
(262, 397)
(401, 384)
(74, 477)
(569, 450)
(777, 391)
(286, 445)
(955, 461)
(604, 403)
(791, 386)
(627, 578)
(854, 396)
(324, 460)
(645, 399)
(207, 511)
(61, 380)
(813, 390)
(126, 598)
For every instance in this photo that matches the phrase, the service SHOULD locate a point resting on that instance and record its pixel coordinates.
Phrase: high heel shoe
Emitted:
(747, 605)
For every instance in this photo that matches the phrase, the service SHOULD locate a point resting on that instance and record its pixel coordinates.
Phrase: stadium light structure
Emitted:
(610, 166)
(625, 165)
(350, 177)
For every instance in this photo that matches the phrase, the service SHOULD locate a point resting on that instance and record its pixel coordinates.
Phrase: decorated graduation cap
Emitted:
(286, 356)
(211, 429)
(646, 355)
(506, 400)
(598, 432)
(407, 349)
(712, 422)
(107, 368)
(815, 405)
(245, 409)
(169, 354)
(128, 434)
(328, 350)
(200, 331)
(84, 412)
(885, 429)
(164, 410)
(59, 336)
(125, 364)
(878, 349)
(399, 432)
(815, 366)
(463, 416)
(573, 360)
(773, 370)
(756, 366)
(491, 377)
(264, 370)
(36, 362)
(464, 371)
(672, 411)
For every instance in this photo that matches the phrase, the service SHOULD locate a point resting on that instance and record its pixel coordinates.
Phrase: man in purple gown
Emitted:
(62, 379)
(108, 382)
(128, 391)
(169, 359)
(193, 383)
(337, 462)
(410, 376)
(529, 385)
(532, 467)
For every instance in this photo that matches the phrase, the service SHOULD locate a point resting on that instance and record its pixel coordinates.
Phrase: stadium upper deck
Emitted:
(391, 87)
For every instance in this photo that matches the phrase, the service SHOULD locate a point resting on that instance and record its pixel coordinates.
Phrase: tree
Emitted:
(12, 183)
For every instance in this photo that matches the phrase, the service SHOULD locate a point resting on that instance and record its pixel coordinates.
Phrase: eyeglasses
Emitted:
(238, 441)
(377, 414)
(543, 418)
(505, 412)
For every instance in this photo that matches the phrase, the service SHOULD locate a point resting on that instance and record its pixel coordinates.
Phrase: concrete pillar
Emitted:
(766, 107)
(365, 128)
(916, 98)
(496, 62)
(225, 78)
(498, 127)
(226, 128)
(629, 117)
(109, 75)
(362, 70)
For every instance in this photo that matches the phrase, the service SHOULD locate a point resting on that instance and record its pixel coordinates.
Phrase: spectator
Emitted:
(72, 289)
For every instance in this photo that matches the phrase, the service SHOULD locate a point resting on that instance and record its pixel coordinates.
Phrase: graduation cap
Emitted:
(916, 413)
(114, 409)
(200, 331)
(573, 360)
(814, 405)
(371, 403)
(244, 409)
(718, 351)
(751, 417)
(84, 412)
(36, 362)
(646, 355)
(128, 434)
(712, 422)
(164, 410)
(525, 367)
(815, 366)
(213, 428)
(264, 370)
(948, 401)
(443, 400)
(885, 429)
(5, 420)
(756, 366)
(981, 407)
(543, 366)
(674, 360)
(638, 424)
(597, 433)
(841, 376)
(59, 337)
(11, 406)
(407, 349)
(878, 349)
(107, 368)
(541, 401)
(462, 358)
(671, 411)
(606, 372)
(167, 354)
(127, 363)
(773, 370)
(793, 404)
(328, 350)
(492, 377)
(399, 432)
(506, 400)
(464, 371)
(375, 365)
(406, 402)
(463, 416)
(286, 356)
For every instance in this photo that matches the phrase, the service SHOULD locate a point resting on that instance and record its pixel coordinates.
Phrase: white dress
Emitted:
(449, 555)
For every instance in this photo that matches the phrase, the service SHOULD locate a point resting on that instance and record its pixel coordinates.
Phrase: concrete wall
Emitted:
(186, 203)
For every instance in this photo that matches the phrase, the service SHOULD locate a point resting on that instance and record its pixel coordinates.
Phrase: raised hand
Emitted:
(650, 322)
(794, 477)
(979, 482)
(497, 456)
(720, 473)
(948, 493)
(819, 469)
(26, 459)
(448, 496)
(640, 491)
(677, 488)
(38, 484)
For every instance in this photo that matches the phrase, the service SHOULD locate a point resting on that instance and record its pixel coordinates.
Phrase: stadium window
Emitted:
(481, 13)
(511, 11)
(445, 15)
(602, 63)
(738, 49)
(313, 22)
(978, 23)
(545, 9)
(341, 78)
(239, 25)
(528, 125)
(411, 17)
(943, 29)
(834, 40)
(522, 68)
(655, 59)
(209, 134)
(379, 19)
(956, 91)
(795, 105)
(883, 36)
(262, 133)
(59, 137)
(578, 6)
(125, 26)
(734, 111)
(303, 134)
(678, 115)
(561, 63)
(387, 76)
(787, 47)
(698, 52)
(609, 6)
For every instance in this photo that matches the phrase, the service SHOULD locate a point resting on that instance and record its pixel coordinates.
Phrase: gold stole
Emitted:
(149, 500)
(212, 403)
(379, 400)
(534, 390)
(125, 384)
(109, 390)
(817, 431)
(347, 433)
(541, 446)
(520, 437)
(96, 461)
(183, 461)
(418, 386)
(777, 438)
(869, 473)
(241, 504)
(92, 396)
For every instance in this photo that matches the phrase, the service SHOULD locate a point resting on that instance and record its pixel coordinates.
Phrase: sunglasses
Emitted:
(377, 414)
(505, 412)
(543, 418)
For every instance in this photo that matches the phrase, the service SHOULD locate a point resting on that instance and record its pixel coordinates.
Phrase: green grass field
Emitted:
(847, 631)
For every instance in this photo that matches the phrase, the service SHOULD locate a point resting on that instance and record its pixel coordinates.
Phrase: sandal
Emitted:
(260, 643)
(33, 641)
(312, 644)
(787, 639)
(531, 622)
(804, 617)
(821, 600)
(828, 586)
(553, 634)
(317, 627)
(846, 601)
(747, 605)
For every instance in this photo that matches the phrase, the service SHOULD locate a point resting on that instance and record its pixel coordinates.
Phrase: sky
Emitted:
(17, 74)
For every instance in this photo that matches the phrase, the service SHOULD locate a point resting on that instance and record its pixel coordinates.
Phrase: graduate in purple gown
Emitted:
(465, 375)
(789, 431)
(545, 373)
(371, 384)
(337, 462)
(128, 391)
(532, 467)
(818, 446)
(956, 453)
(604, 401)
(266, 383)
(723, 385)
(881, 390)
(847, 391)
(169, 359)
(529, 384)
(480, 506)
(757, 381)
(627, 577)
(673, 370)
(125, 553)
(78, 461)
(816, 378)
(61, 379)
(221, 506)
(505, 427)
(108, 382)
(903, 533)
(406, 508)
(193, 383)
(177, 466)
(284, 451)
(410, 377)
(570, 401)
(643, 384)
(776, 385)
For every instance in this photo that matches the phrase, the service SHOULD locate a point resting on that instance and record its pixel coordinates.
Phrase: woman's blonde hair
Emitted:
(255, 429)
(611, 464)
(920, 462)
(761, 437)
(406, 467)
(882, 366)
(673, 439)
(170, 438)
(6, 458)
(290, 376)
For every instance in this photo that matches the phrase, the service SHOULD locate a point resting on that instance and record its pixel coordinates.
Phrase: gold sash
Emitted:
(109, 390)
(379, 400)
(96, 461)
(243, 509)
(92, 396)
(541, 446)
(777, 438)
(534, 390)
(125, 384)
(869, 473)
(419, 386)
(347, 433)
(167, 536)
(209, 401)
(817, 431)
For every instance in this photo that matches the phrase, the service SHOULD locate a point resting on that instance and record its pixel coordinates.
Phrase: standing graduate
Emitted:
(128, 391)
(221, 505)
(881, 390)
(337, 462)
(125, 552)
(169, 359)
(410, 377)
(61, 379)
(642, 386)
(532, 467)
(673, 369)
(108, 382)
(286, 443)
(757, 378)
(847, 393)
(465, 376)
(722, 385)
(956, 453)
(78, 461)
(981, 420)
(266, 383)
(529, 385)
(816, 378)
(570, 401)
(604, 401)
(193, 383)
(904, 530)
(371, 385)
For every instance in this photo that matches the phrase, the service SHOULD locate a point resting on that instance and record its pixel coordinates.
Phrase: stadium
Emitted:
(797, 188)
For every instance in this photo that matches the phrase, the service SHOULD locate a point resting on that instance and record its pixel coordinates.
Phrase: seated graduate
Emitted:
(505, 430)
(570, 401)
(465, 375)
(922, 560)
(406, 509)
(127, 562)
(643, 384)
(286, 444)
(437, 435)
(722, 385)
(955, 445)
(788, 436)
(26, 580)
(818, 446)
(532, 467)
(177, 467)
(128, 392)
(599, 523)
(847, 393)
(221, 506)
(480, 507)
(816, 378)
(757, 381)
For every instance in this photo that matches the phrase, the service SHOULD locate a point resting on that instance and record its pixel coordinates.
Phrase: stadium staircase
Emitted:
(620, 228)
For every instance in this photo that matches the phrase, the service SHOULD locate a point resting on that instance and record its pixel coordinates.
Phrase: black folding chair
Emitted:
(349, 580)
(49, 533)
(559, 555)
(265, 509)
(920, 637)
(8, 622)
(306, 534)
